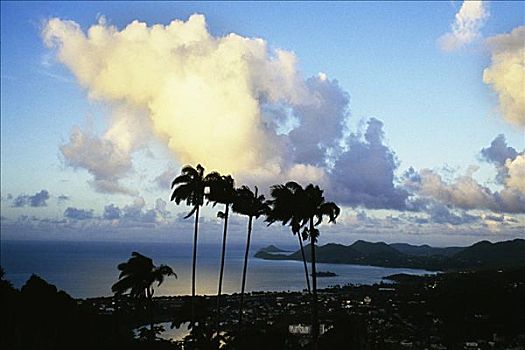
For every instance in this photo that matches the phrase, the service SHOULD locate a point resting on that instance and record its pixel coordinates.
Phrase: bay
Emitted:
(88, 269)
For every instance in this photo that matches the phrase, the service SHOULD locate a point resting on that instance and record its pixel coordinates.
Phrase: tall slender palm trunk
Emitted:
(221, 274)
(194, 266)
(149, 307)
(315, 319)
(304, 262)
(245, 268)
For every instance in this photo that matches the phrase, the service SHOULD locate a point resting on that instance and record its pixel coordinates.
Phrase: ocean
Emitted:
(88, 269)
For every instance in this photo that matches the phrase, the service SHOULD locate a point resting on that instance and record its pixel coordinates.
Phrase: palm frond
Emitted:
(122, 285)
(221, 188)
(190, 171)
(193, 210)
(293, 186)
(329, 209)
(181, 179)
(182, 193)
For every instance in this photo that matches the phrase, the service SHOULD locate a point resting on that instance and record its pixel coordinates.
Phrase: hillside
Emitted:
(425, 250)
(481, 255)
(492, 255)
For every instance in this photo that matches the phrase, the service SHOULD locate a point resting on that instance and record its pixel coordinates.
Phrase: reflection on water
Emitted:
(88, 269)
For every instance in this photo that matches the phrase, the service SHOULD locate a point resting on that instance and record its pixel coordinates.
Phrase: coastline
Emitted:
(85, 270)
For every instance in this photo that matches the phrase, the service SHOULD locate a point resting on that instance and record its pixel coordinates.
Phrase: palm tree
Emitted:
(189, 187)
(313, 209)
(299, 207)
(286, 204)
(250, 204)
(137, 276)
(222, 191)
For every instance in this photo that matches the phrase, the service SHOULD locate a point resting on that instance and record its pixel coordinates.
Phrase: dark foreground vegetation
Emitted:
(476, 310)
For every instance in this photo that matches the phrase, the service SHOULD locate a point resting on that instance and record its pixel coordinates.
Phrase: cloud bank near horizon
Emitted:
(465, 193)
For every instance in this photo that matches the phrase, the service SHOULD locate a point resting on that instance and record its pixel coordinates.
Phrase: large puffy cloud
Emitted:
(205, 96)
(506, 74)
(229, 103)
(321, 127)
(466, 27)
(39, 199)
(364, 173)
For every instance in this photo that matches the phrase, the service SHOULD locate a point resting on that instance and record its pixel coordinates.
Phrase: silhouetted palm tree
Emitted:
(286, 207)
(137, 276)
(222, 191)
(189, 187)
(250, 204)
(312, 210)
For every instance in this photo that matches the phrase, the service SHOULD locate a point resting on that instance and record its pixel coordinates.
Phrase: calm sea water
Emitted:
(88, 269)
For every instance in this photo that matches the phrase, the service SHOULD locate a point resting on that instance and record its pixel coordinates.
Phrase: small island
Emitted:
(272, 249)
(325, 274)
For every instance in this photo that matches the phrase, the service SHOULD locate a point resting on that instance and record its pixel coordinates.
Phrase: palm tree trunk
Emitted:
(245, 267)
(315, 320)
(304, 262)
(222, 267)
(194, 266)
(149, 297)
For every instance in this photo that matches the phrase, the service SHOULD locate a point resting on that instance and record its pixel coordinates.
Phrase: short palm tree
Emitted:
(312, 210)
(137, 276)
(222, 191)
(189, 187)
(286, 207)
(252, 205)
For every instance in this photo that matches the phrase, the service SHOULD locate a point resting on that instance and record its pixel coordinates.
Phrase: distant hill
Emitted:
(425, 250)
(485, 254)
(482, 255)
(273, 249)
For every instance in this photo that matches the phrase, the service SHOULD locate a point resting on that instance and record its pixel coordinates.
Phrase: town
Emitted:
(444, 311)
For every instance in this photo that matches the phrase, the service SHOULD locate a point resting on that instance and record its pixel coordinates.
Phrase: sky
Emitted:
(410, 115)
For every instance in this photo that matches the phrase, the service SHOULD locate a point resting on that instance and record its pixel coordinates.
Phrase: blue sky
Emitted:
(436, 112)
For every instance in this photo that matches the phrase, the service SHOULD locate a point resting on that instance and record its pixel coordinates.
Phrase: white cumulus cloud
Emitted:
(103, 158)
(466, 27)
(204, 96)
(516, 173)
(506, 74)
